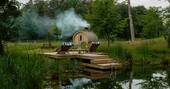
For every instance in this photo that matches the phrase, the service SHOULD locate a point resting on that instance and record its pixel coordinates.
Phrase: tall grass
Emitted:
(116, 51)
(141, 51)
(19, 70)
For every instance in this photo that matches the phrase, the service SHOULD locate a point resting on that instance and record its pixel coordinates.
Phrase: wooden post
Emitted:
(132, 33)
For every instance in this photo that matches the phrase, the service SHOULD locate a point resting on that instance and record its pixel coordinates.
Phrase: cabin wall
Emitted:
(79, 38)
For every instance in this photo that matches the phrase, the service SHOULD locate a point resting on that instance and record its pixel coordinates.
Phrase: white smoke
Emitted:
(69, 22)
(34, 26)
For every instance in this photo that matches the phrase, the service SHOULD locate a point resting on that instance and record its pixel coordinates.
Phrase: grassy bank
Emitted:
(152, 51)
(20, 70)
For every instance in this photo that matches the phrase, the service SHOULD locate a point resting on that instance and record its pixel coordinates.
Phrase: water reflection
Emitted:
(158, 80)
(138, 77)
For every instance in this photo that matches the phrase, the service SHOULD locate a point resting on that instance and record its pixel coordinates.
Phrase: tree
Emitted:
(104, 19)
(153, 25)
(9, 10)
(138, 13)
(167, 24)
(122, 10)
(57, 6)
(167, 33)
(132, 33)
(41, 7)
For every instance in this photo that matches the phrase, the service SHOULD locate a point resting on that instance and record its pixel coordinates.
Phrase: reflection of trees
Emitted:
(151, 82)
(154, 83)
(109, 84)
(118, 78)
(168, 77)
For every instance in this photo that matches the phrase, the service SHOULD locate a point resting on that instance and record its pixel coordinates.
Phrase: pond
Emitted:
(137, 77)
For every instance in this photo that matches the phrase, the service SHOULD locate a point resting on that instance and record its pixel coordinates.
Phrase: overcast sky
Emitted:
(146, 3)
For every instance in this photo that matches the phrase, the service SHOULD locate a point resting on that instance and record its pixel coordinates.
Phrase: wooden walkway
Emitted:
(89, 60)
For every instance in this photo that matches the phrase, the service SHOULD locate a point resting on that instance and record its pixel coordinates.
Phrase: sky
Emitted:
(146, 3)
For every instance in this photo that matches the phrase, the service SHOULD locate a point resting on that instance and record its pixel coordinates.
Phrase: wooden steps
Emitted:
(100, 61)
(90, 60)
(104, 66)
(93, 56)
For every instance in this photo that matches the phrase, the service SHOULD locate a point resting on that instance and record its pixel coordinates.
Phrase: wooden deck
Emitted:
(89, 60)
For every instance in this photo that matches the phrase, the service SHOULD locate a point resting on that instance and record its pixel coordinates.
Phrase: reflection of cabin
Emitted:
(84, 37)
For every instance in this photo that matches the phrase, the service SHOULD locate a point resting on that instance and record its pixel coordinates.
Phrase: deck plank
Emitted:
(96, 60)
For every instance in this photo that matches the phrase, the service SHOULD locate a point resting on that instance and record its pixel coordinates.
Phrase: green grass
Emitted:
(141, 51)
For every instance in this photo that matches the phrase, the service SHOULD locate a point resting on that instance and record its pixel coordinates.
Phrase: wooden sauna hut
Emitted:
(85, 39)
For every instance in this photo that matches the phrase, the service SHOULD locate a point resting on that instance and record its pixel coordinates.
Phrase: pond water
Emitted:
(138, 77)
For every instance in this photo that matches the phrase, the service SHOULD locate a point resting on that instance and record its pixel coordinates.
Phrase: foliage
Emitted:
(125, 32)
(9, 10)
(108, 18)
(104, 18)
(167, 25)
(138, 14)
(153, 25)
(53, 7)
(7, 16)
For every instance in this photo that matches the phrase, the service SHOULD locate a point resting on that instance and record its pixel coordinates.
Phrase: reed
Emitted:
(116, 51)
(20, 70)
(141, 51)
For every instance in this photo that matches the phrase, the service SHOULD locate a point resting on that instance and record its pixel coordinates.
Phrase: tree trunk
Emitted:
(108, 42)
(1, 47)
(132, 33)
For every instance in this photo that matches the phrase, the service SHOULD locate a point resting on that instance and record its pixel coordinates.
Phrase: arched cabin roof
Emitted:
(90, 35)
